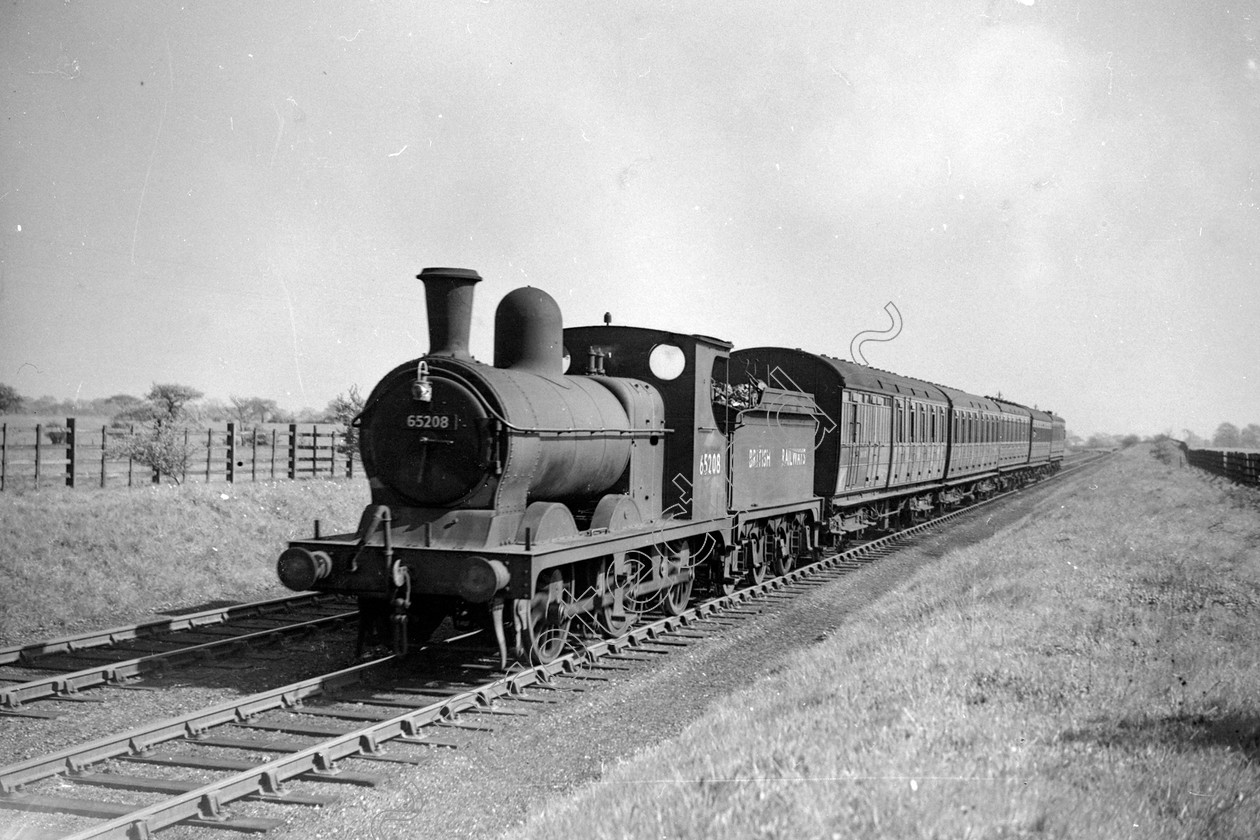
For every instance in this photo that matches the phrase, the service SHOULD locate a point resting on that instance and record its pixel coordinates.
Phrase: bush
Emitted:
(159, 442)
(345, 409)
(10, 400)
(163, 448)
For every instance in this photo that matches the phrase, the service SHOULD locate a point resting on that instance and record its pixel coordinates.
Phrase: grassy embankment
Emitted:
(1093, 671)
(78, 559)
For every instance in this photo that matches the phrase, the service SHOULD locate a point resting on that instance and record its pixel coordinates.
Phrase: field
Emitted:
(87, 558)
(1091, 672)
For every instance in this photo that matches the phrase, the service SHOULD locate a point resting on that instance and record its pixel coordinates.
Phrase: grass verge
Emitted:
(77, 559)
(1093, 671)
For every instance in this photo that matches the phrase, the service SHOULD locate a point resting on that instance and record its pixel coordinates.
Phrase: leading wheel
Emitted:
(542, 622)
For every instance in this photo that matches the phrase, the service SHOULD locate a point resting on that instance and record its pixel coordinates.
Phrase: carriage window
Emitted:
(667, 361)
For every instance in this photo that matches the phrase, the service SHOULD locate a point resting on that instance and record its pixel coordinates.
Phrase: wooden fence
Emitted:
(1242, 467)
(49, 454)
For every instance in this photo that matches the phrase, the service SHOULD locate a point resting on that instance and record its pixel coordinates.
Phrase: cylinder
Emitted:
(448, 294)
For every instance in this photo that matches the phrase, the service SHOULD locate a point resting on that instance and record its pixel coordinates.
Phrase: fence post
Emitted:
(157, 474)
(314, 451)
(104, 449)
(253, 454)
(4, 452)
(131, 462)
(293, 435)
(273, 454)
(231, 453)
(39, 432)
(70, 452)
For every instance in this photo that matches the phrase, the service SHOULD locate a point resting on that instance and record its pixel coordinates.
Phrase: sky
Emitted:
(1058, 199)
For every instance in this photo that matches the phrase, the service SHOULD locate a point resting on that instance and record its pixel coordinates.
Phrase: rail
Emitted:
(206, 803)
(297, 614)
(113, 635)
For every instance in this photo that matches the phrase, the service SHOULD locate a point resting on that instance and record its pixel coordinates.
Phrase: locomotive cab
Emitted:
(687, 370)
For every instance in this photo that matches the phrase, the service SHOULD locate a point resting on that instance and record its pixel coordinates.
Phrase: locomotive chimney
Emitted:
(529, 333)
(448, 295)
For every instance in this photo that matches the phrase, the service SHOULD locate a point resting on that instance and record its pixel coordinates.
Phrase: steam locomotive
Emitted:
(596, 474)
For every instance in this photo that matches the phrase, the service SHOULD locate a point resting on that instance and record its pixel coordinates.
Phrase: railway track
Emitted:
(371, 713)
(65, 667)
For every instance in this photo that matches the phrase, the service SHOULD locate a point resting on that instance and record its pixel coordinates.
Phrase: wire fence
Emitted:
(52, 454)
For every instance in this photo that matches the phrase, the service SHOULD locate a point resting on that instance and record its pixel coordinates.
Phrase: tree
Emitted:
(1226, 436)
(306, 414)
(1249, 437)
(345, 409)
(10, 400)
(46, 405)
(160, 442)
(210, 410)
(252, 409)
(170, 402)
(116, 404)
(1192, 440)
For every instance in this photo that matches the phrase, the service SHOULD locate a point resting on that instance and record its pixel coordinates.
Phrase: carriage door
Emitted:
(881, 414)
(862, 452)
(848, 443)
